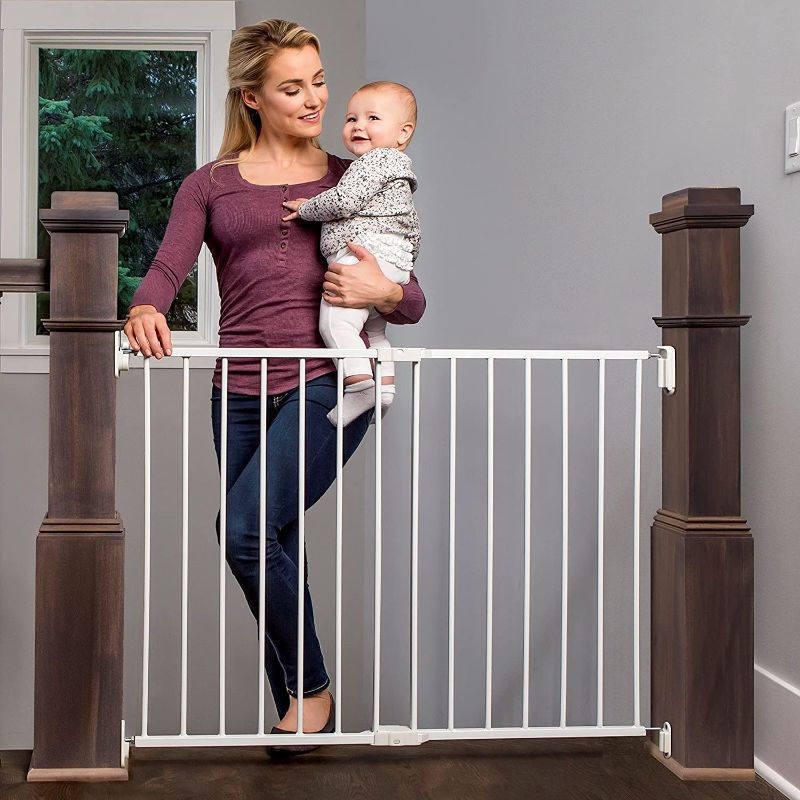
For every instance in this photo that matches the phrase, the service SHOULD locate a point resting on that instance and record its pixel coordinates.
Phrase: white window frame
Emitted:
(28, 25)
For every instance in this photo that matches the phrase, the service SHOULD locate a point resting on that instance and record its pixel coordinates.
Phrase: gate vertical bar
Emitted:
(601, 467)
(637, 471)
(147, 557)
(81, 542)
(301, 546)
(564, 532)
(489, 536)
(184, 542)
(223, 541)
(526, 614)
(451, 602)
(339, 487)
(702, 548)
(415, 391)
(376, 678)
(262, 540)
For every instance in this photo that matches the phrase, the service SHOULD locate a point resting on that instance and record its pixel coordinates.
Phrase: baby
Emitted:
(371, 206)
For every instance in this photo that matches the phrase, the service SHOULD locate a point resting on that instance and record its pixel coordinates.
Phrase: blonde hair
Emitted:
(252, 49)
(404, 94)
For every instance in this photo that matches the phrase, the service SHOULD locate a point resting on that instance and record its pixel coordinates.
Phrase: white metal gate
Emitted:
(381, 733)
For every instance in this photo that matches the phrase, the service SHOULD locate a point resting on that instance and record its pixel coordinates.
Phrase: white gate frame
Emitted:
(394, 734)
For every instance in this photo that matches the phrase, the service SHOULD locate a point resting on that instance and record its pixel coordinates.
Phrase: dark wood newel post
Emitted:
(80, 546)
(702, 549)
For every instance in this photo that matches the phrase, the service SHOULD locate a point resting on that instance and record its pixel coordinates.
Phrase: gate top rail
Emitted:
(423, 353)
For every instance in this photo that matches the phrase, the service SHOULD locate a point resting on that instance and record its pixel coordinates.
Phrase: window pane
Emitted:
(121, 121)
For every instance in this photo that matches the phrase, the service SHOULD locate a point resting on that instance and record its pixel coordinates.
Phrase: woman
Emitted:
(271, 276)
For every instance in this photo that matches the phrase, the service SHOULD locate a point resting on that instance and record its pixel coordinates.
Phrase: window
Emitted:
(127, 97)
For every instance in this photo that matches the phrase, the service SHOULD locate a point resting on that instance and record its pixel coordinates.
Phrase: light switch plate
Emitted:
(791, 147)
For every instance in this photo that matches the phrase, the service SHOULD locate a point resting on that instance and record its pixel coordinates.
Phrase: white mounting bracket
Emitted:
(125, 748)
(122, 361)
(400, 353)
(666, 368)
(398, 736)
(665, 740)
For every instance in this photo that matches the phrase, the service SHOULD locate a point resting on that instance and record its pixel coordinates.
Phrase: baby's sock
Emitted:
(357, 398)
(387, 398)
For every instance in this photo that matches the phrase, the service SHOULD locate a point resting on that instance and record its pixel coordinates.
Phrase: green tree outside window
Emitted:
(121, 121)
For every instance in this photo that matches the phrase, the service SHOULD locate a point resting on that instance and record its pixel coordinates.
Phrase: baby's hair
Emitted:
(405, 94)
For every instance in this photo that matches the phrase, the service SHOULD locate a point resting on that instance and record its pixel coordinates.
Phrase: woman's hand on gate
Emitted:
(360, 285)
(147, 330)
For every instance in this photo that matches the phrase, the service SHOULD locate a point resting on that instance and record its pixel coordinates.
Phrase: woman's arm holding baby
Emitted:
(411, 306)
(364, 284)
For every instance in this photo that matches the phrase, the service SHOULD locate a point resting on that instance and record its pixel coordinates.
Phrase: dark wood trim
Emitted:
(80, 548)
(702, 548)
(83, 324)
(668, 224)
(96, 775)
(701, 208)
(700, 773)
(80, 527)
(78, 677)
(24, 275)
(685, 524)
(88, 220)
(702, 322)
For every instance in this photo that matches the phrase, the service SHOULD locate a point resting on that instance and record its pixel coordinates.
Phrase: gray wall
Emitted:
(547, 133)
(520, 251)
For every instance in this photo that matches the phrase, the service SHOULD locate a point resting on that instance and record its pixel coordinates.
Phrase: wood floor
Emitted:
(603, 769)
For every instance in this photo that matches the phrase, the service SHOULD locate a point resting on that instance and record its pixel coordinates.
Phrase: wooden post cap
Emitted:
(701, 207)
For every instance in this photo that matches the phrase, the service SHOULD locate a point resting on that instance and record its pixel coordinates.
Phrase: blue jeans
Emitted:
(282, 535)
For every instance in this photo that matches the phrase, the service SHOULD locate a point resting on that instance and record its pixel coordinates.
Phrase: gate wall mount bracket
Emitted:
(664, 739)
(122, 361)
(666, 368)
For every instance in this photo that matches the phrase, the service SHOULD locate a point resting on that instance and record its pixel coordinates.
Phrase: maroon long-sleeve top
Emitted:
(269, 272)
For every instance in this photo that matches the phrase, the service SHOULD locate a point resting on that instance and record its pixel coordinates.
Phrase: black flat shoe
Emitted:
(286, 750)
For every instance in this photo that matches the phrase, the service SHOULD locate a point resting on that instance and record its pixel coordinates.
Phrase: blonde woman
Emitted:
(271, 277)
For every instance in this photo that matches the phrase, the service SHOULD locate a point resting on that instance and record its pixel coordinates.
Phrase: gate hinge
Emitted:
(664, 739)
(400, 353)
(666, 368)
(122, 361)
(125, 747)
(398, 736)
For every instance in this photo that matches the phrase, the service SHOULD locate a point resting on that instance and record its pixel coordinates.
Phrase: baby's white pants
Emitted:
(341, 327)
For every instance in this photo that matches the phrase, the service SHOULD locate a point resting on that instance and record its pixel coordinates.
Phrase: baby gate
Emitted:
(381, 733)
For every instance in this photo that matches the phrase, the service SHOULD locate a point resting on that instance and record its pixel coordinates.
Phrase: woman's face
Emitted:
(292, 100)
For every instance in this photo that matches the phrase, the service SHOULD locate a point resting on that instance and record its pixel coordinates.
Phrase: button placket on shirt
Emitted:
(284, 245)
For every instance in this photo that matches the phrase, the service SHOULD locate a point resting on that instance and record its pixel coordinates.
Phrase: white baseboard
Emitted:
(780, 701)
(775, 679)
(777, 780)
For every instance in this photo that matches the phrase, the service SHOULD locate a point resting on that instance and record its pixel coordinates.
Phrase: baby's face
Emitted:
(374, 118)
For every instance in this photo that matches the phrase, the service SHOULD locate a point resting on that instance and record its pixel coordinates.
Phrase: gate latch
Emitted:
(400, 353)
(397, 736)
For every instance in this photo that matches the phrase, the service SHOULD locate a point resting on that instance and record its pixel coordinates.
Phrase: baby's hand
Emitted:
(294, 206)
